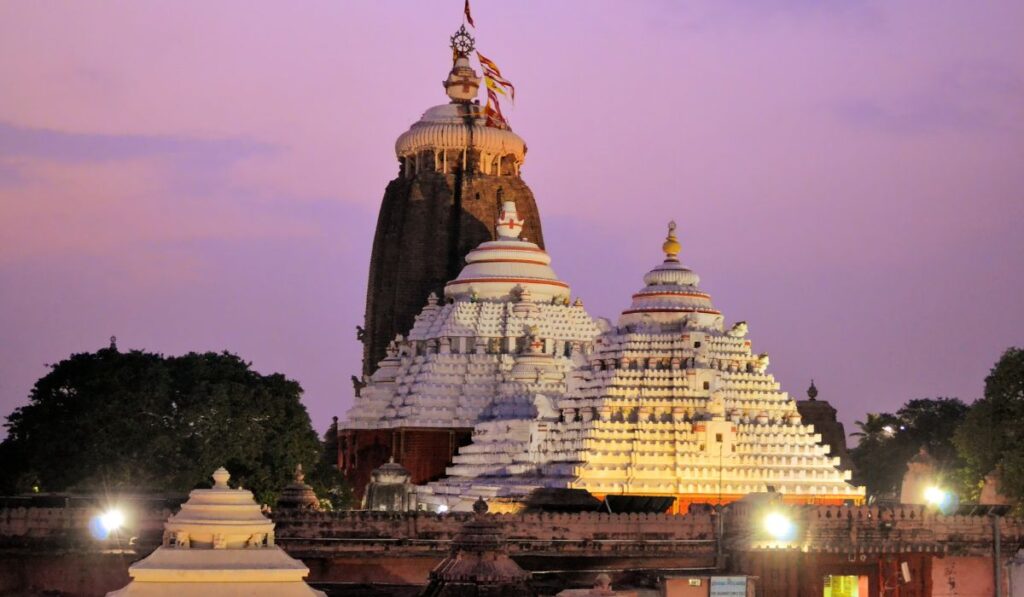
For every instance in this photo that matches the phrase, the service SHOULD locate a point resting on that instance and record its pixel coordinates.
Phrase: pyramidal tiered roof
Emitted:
(506, 334)
(220, 543)
(669, 402)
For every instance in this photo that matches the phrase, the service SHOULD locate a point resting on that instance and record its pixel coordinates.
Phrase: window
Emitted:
(696, 344)
(707, 385)
(718, 437)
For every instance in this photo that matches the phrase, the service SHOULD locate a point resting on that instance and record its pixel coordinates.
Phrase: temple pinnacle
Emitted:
(812, 392)
(671, 246)
(462, 83)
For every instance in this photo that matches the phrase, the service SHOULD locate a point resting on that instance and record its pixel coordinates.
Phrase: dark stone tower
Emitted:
(455, 169)
(822, 415)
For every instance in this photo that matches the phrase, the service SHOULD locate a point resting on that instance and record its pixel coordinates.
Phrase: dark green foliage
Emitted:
(888, 441)
(109, 421)
(990, 439)
(329, 482)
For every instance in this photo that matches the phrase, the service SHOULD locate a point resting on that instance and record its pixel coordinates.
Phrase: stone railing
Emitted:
(47, 522)
(872, 529)
(588, 533)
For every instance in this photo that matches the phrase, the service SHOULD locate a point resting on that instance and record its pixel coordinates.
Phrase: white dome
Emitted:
(671, 293)
(497, 268)
(457, 126)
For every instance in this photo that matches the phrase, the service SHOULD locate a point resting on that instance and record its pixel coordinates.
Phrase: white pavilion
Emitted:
(219, 543)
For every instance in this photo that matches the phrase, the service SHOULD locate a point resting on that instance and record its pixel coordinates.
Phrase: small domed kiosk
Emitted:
(298, 495)
(390, 489)
(219, 543)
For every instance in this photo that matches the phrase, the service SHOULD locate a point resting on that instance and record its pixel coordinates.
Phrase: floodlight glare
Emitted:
(102, 525)
(111, 520)
(935, 496)
(442, 509)
(779, 526)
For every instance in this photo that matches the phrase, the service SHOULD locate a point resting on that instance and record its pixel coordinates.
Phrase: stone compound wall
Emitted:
(420, 531)
(46, 549)
(68, 526)
(875, 529)
(49, 548)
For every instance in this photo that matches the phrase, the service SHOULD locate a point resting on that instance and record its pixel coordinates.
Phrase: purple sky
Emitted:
(847, 176)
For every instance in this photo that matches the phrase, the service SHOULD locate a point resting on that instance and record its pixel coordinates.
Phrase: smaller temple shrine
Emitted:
(219, 543)
(479, 563)
(390, 489)
(502, 340)
(822, 416)
(298, 495)
(669, 404)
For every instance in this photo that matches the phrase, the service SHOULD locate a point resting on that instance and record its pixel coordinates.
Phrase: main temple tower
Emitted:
(456, 168)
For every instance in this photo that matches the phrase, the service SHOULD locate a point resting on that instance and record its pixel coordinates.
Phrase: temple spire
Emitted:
(462, 83)
(509, 224)
(671, 246)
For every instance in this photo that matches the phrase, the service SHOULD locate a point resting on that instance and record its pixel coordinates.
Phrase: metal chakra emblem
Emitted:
(462, 41)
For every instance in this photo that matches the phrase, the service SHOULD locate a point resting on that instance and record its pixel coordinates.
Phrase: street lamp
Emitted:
(102, 525)
(939, 498)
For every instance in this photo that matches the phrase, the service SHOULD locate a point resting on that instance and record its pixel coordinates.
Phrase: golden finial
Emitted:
(671, 245)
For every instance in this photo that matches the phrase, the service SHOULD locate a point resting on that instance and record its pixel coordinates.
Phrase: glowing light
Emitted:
(442, 509)
(779, 526)
(936, 496)
(888, 430)
(112, 520)
(102, 525)
(943, 500)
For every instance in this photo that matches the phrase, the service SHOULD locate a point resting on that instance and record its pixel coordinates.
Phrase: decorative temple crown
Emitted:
(462, 42)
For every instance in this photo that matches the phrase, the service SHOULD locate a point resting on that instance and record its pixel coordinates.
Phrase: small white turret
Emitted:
(510, 225)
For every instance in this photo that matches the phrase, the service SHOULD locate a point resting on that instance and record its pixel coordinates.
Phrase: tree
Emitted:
(989, 440)
(888, 441)
(113, 421)
(327, 479)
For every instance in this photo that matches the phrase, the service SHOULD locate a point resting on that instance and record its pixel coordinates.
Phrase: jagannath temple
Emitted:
(485, 377)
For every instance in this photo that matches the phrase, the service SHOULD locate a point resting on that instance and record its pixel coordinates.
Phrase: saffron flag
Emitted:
(492, 111)
(469, 17)
(493, 73)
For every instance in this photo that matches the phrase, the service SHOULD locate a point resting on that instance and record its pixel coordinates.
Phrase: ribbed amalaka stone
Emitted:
(427, 225)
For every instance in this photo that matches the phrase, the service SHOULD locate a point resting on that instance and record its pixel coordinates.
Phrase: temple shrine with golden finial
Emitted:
(669, 403)
(494, 383)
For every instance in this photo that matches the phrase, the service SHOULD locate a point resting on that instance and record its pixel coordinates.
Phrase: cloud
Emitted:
(967, 97)
(22, 141)
(98, 194)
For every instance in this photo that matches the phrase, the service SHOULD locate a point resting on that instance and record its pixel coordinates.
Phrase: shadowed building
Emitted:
(822, 415)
